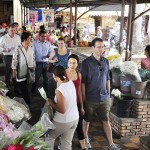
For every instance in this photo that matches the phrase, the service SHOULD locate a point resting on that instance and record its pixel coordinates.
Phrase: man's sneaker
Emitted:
(87, 143)
(114, 147)
(59, 146)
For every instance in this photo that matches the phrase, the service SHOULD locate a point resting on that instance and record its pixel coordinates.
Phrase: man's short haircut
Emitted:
(11, 26)
(16, 23)
(42, 32)
(24, 36)
(96, 40)
(61, 39)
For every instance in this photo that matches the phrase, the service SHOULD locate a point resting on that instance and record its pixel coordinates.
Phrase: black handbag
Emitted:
(30, 72)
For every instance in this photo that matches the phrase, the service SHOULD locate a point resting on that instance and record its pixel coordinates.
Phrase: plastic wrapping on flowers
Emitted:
(14, 110)
(130, 70)
(115, 61)
(30, 137)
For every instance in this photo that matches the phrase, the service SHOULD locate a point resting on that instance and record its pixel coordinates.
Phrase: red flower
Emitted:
(19, 147)
(31, 148)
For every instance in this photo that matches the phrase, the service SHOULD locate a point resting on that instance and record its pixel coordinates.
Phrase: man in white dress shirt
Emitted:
(8, 43)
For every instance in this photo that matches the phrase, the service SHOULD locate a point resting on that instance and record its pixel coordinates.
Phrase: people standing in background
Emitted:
(42, 49)
(66, 116)
(96, 91)
(60, 55)
(64, 32)
(42, 28)
(85, 33)
(145, 62)
(8, 43)
(75, 76)
(99, 32)
(16, 24)
(23, 58)
(77, 37)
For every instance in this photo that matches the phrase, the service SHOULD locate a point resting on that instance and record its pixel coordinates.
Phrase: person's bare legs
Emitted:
(108, 131)
(82, 144)
(85, 128)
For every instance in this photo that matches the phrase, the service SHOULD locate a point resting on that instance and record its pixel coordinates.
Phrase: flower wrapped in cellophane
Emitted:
(130, 70)
(14, 110)
(3, 89)
(115, 61)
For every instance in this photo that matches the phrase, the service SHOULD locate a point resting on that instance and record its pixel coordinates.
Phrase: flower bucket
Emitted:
(124, 106)
(115, 79)
(125, 84)
(138, 89)
(70, 43)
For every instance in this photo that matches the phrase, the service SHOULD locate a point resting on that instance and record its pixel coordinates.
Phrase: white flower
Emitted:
(116, 93)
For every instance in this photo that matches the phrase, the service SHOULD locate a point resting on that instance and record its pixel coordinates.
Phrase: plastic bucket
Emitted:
(125, 84)
(138, 89)
(124, 106)
(115, 79)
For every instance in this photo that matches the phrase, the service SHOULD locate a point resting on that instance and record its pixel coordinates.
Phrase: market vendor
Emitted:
(145, 62)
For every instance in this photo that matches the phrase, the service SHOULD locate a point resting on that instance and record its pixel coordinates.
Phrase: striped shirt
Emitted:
(42, 50)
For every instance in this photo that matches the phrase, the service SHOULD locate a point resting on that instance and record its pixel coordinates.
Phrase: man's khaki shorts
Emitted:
(101, 109)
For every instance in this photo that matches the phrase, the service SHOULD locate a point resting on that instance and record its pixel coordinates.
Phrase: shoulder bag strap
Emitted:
(24, 55)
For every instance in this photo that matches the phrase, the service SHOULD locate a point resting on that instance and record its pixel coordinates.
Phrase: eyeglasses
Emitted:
(100, 66)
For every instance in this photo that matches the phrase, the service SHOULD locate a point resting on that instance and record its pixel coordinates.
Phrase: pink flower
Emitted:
(12, 147)
(31, 148)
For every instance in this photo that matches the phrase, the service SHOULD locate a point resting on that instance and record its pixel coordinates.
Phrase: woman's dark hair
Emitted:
(24, 36)
(147, 49)
(59, 71)
(42, 28)
(61, 39)
(24, 28)
(96, 40)
(63, 28)
(74, 56)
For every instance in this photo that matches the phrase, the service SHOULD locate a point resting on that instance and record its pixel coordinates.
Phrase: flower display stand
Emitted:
(137, 125)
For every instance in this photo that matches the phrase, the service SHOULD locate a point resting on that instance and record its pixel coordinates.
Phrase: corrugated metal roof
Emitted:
(66, 3)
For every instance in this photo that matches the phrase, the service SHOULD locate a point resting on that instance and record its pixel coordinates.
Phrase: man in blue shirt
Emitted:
(96, 91)
(42, 50)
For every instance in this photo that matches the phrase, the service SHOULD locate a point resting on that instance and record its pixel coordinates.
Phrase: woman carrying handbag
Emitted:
(23, 59)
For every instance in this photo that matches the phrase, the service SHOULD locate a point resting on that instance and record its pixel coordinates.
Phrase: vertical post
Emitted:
(75, 22)
(21, 15)
(128, 30)
(121, 25)
(24, 15)
(70, 18)
(132, 25)
(27, 13)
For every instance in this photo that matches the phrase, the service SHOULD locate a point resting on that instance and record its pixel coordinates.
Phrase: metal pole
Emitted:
(24, 16)
(70, 18)
(21, 15)
(75, 22)
(121, 25)
(128, 30)
(132, 25)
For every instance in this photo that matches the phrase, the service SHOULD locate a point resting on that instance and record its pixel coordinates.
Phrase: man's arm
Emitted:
(108, 86)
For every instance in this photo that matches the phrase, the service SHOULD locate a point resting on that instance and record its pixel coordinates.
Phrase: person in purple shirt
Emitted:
(42, 50)
(96, 91)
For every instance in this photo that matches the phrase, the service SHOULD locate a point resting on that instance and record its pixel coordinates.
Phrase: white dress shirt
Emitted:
(8, 44)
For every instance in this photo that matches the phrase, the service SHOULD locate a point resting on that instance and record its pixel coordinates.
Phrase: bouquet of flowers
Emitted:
(116, 93)
(130, 69)
(14, 110)
(115, 61)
